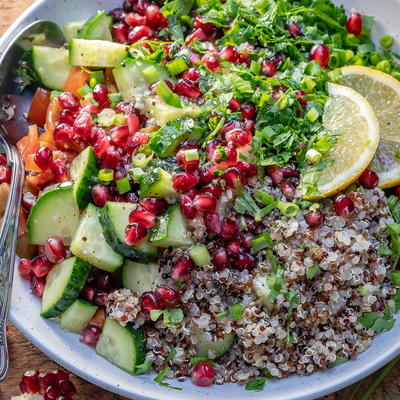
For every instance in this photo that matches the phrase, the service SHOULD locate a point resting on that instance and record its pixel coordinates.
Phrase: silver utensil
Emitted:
(14, 125)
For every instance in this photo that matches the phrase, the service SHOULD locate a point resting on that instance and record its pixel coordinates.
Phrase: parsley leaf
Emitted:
(160, 379)
(312, 271)
(372, 320)
(257, 384)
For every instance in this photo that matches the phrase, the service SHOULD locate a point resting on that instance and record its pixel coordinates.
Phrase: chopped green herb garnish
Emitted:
(257, 384)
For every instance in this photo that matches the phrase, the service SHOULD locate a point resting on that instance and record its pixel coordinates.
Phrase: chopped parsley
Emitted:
(257, 384)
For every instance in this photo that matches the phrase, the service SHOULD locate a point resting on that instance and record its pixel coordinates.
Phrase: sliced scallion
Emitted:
(106, 175)
(151, 74)
(177, 66)
(261, 242)
(141, 160)
(191, 155)
(84, 90)
(123, 185)
(288, 209)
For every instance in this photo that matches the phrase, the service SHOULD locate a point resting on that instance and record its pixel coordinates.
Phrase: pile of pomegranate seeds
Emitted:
(55, 385)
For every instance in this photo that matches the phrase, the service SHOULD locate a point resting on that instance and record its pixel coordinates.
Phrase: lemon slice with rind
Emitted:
(382, 91)
(350, 114)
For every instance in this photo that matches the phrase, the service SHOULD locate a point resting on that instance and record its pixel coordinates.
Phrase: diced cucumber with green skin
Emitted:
(97, 28)
(166, 139)
(71, 29)
(130, 80)
(218, 348)
(77, 316)
(55, 213)
(169, 164)
(83, 170)
(163, 113)
(170, 229)
(114, 217)
(140, 277)
(90, 245)
(63, 285)
(122, 346)
(156, 182)
(96, 53)
(51, 66)
(200, 255)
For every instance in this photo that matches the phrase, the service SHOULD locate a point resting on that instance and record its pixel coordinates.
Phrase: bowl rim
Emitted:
(326, 386)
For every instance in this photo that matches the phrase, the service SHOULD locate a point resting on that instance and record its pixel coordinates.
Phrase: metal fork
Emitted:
(13, 126)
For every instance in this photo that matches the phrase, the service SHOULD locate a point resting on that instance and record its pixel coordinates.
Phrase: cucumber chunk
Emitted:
(218, 348)
(262, 291)
(51, 66)
(55, 213)
(170, 229)
(63, 285)
(122, 346)
(77, 316)
(96, 53)
(166, 139)
(131, 81)
(90, 245)
(114, 218)
(71, 29)
(97, 27)
(200, 255)
(83, 170)
(156, 182)
(141, 277)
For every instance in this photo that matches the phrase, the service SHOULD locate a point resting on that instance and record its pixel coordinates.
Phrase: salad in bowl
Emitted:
(211, 187)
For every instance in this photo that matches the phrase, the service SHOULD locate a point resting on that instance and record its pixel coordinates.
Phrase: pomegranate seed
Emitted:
(139, 33)
(268, 68)
(225, 156)
(182, 267)
(153, 16)
(220, 258)
(344, 205)
(46, 380)
(119, 135)
(320, 53)
(207, 174)
(205, 202)
(69, 101)
(143, 217)
(249, 169)
(215, 190)
(244, 261)
(192, 75)
(168, 297)
(184, 164)
(239, 137)
(91, 109)
(234, 105)
(110, 158)
(203, 375)
(198, 34)
(275, 172)
(65, 398)
(88, 293)
(3, 159)
(288, 190)
(66, 117)
(100, 93)
(246, 240)
(229, 53)
(104, 282)
(212, 223)
(60, 171)
(289, 172)
(55, 250)
(211, 147)
(41, 265)
(234, 178)
(101, 194)
(24, 268)
(354, 23)
(300, 97)
(207, 27)
(133, 123)
(369, 179)
(313, 219)
(63, 133)
(187, 207)
(43, 158)
(149, 301)
(134, 233)
(99, 299)
(30, 382)
(187, 89)
(125, 107)
(140, 6)
(52, 393)
(397, 191)
(5, 174)
(135, 19)
(90, 335)
(67, 387)
(155, 205)
(294, 29)
(120, 32)
(194, 57)
(37, 285)
(101, 146)
(210, 61)
(228, 229)
(28, 200)
(83, 124)
(183, 181)
(248, 111)
(233, 247)
(61, 374)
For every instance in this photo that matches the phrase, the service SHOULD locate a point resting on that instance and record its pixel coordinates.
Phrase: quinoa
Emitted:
(322, 325)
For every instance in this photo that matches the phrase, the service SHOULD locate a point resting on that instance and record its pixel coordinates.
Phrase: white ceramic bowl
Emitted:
(66, 349)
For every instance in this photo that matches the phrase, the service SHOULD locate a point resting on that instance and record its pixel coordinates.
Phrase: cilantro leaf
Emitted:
(312, 271)
(257, 384)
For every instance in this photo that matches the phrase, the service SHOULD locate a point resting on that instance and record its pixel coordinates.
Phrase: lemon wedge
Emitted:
(382, 91)
(350, 114)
